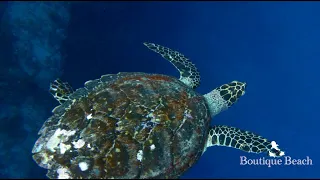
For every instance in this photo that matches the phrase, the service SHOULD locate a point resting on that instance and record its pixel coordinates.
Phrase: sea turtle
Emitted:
(139, 125)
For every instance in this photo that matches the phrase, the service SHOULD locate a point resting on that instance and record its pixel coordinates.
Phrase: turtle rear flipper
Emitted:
(60, 90)
(189, 74)
(243, 140)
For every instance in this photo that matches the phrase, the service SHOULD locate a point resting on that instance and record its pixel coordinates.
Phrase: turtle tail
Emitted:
(60, 90)
(243, 140)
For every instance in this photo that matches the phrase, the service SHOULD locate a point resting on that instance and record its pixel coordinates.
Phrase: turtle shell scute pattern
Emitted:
(125, 125)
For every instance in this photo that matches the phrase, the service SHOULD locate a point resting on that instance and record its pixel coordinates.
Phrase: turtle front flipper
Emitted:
(60, 90)
(243, 140)
(189, 74)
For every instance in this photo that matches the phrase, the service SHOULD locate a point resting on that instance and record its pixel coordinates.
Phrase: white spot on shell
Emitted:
(63, 173)
(140, 155)
(68, 133)
(152, 147)
(83, 166)
(64, 148)
(79, 144)
(89, 116)
(55, 138)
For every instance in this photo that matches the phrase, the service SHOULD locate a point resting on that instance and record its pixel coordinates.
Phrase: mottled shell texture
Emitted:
(126, 125)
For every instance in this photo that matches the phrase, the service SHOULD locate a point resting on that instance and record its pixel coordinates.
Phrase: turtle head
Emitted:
(231, 92)
(225, 96)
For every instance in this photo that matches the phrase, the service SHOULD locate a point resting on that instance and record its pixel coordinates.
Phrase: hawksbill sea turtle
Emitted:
(137, 125)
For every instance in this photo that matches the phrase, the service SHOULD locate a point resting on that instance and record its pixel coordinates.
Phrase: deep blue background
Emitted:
(273, 46)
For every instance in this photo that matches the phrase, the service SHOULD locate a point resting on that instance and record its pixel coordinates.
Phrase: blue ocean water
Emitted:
(273, 46)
